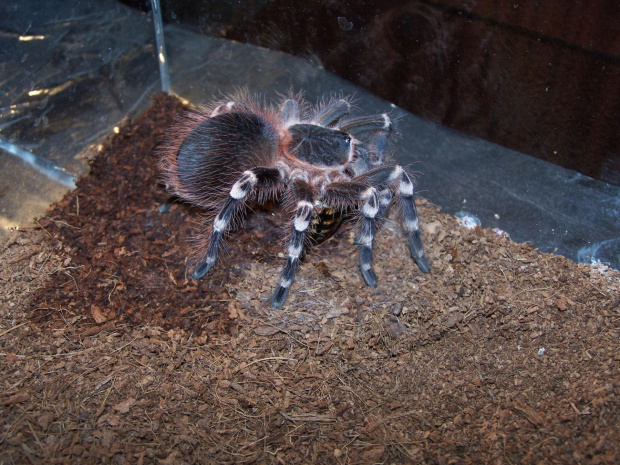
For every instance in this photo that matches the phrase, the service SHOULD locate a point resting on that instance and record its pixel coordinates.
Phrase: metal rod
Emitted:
(40, 164)
(161, 47)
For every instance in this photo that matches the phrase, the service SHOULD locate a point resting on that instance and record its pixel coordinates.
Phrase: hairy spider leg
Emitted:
(386, 175)
(356, 126)
(303, 194)
(332, 113)
(229, 107)
(291, 111)
(350, 194)
(385, 199)
(378, 142)
(261, 178)
(371, 212)
(363, 238)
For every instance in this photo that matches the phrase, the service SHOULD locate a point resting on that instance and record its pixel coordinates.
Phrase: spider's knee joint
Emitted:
(371, 206)
(294, 251)
(411, 225)
(405, 186)
(303, 216)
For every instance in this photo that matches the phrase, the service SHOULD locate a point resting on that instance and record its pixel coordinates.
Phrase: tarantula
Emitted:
(323, 159)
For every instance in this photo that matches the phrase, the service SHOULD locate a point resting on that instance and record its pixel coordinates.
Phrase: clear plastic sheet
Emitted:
(69, 72)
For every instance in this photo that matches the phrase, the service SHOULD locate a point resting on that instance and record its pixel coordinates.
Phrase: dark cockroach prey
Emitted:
(321, 161)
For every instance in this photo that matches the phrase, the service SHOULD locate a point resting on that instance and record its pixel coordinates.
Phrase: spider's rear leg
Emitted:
(396, 174)
(303, 215)
(261, 178)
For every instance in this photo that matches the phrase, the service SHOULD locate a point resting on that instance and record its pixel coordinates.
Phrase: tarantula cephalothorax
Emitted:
(322, 159)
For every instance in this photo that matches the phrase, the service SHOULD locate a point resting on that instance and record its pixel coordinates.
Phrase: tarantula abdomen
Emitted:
(322, 160)
(219, 149)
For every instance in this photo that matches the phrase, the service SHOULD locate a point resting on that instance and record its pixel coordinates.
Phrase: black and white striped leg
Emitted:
(301, 223)
(396, 175)
(410, 221)
(260, 177)
(351, 195)
(366, 235)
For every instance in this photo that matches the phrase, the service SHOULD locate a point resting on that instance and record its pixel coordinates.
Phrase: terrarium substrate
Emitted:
(111, 353)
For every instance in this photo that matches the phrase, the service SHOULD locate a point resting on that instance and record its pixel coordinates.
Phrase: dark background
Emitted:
(539, 77)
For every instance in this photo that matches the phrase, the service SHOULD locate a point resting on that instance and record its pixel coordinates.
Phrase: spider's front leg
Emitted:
(260, 178)
(374, 205)
(396, 175)
(303, 195)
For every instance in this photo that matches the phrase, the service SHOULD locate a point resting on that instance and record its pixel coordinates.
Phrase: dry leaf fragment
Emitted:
(45, 420)
(454, 319)
(374, 454)
(530, 414)
(561, 303)
(266, 330)
(125, 406)
(336, 312)
(233, 311)
(144, 381)
(97, 315)
(17, 398)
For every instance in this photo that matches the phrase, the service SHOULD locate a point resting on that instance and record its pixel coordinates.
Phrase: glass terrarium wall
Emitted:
(543, 80)
(70, 71)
